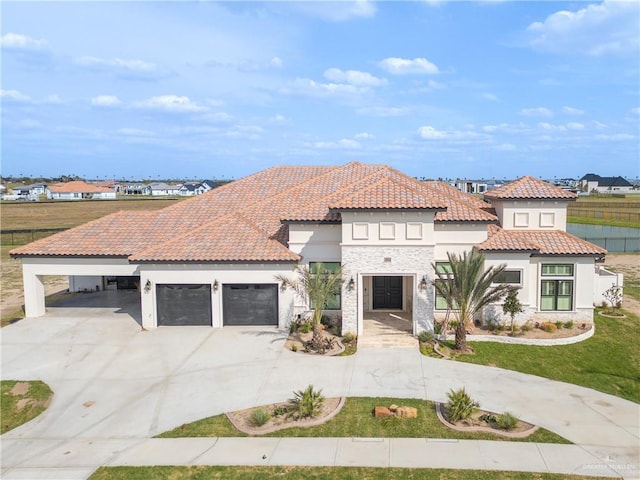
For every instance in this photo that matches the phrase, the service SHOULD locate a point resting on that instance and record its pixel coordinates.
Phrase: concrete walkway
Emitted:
(116, 386)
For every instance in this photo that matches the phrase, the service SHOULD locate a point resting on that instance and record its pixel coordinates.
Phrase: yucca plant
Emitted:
(507, 421)
(259, 417)
(306, 403)
(460, 405)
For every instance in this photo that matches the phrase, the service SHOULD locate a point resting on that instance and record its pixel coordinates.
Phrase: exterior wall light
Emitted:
(216, 285)
(352, 284)
(423, 283)
(147, 286)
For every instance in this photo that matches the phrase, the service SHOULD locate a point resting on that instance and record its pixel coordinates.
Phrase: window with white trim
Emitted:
(512, 277)
(556, 294)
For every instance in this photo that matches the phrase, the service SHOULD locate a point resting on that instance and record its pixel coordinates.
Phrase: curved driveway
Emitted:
(116, 385)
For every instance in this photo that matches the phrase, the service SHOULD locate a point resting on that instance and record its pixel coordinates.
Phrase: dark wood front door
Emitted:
(387, 293)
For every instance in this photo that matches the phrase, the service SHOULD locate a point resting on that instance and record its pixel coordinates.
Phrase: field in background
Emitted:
(612, 211)
(67, 214)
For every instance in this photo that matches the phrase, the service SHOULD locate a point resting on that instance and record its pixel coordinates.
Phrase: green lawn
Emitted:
(602, 221)
(609, 361)
(19, 408)
(315, 473)
(355, 420)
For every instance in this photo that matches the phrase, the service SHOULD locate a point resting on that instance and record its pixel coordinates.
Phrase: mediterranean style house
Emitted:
(212, 259)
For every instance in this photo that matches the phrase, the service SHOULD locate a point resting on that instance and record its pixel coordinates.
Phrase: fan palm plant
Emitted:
(467, 288)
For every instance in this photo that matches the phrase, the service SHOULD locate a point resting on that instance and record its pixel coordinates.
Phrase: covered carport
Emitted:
(86, 274)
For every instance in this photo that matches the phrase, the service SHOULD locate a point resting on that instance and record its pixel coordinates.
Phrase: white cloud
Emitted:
(384, 111)
(505, 147)
(428, 132)
(124, 68)
(536, 112)
(135, 132)
(636, 110)
(575, 126)
(53, 99)
(364, 136)
(276, 62)
(337, 11)
(353, 77)
(277, 119)
(345, 143)
(405, 66)
(14, 96)
(551, 128)
(572, 111)
(308, 87)
(610, 27)
(490, 97)
(105, 101)
(616, 137)
(21, 42)
(170, 103)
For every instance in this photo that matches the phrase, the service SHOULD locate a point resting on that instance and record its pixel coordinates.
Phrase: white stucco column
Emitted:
(33, 294)
(148, 303)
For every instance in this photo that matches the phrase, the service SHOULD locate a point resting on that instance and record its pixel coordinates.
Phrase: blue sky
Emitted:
(489, 89)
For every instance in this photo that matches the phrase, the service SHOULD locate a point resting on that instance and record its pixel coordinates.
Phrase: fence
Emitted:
(617, 245)
(604, 214)
(20, 237)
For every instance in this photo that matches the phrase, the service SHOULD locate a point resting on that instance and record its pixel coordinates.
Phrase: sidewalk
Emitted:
(326, 452)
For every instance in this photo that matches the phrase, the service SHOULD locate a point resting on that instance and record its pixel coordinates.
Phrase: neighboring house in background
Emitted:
(164, 189)
(212, 260)
(135, 188)
(471, 186)
(31, 190)
(188, 190)
(595, 183)
(205, 186)
(79, 190)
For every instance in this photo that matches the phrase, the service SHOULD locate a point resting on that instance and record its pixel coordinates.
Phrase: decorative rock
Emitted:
(407, 412)
(381, 412)
(393, 408)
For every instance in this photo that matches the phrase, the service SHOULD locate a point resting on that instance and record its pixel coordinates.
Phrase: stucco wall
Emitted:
(316, 243)
(532, 214)
(388, 228)
(208, 274)
(457, 238)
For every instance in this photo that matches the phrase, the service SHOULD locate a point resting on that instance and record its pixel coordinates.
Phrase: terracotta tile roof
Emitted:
(118, 234)
(529, 188)
(228, 239)
(78, 186)
(542, 242)
(242, 220)
(387, 194)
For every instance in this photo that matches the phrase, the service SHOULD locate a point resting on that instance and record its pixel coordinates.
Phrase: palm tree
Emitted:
(467, 288)
(318, 287)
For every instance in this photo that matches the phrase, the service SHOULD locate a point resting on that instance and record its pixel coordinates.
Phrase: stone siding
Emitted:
(370, 260)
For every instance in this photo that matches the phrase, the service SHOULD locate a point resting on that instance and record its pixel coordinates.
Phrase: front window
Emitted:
(441, 301)
(512, 277)
(556, 294)
(335, 301)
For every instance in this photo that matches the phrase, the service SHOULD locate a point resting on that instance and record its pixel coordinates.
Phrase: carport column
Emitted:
(148, 302)
(33, 293)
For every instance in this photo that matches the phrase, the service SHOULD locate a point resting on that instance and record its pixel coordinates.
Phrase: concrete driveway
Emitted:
(116, 385)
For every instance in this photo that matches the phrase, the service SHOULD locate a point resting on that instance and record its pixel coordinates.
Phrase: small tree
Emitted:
(467, 289)
(613, 295)
(512, 307)
(318, 287)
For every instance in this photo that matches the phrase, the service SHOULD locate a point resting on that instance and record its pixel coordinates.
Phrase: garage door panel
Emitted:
(183, 304)
(250, 304)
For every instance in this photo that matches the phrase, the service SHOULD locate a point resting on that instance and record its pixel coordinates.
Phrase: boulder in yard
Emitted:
(381, 412)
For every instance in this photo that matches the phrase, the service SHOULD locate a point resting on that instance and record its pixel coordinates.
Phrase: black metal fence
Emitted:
(617, 245)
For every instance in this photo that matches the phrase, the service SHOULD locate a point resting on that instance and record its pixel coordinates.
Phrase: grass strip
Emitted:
(356, 420)
(315, 473)
(19, 408)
